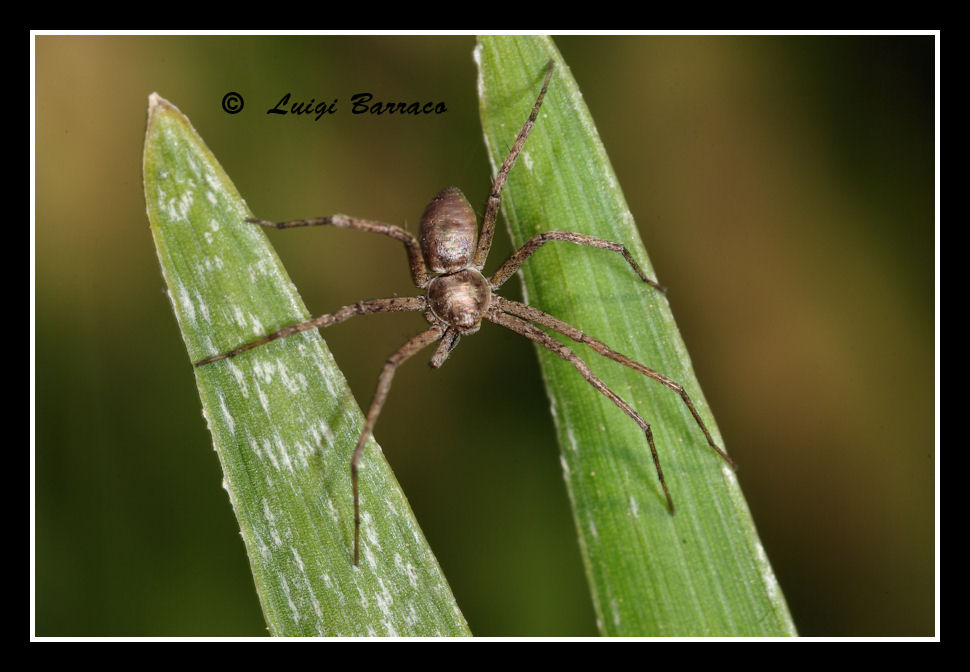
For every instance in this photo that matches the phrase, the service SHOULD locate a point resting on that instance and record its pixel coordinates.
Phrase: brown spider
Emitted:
(458, 297)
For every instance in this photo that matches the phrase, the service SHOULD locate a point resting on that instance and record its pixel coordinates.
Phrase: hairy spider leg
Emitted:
(419, 273)
(536, 335)
(448, 343)
(546, 320)
(513, 263)
(402, 354)
(391, 305)
(495, 195)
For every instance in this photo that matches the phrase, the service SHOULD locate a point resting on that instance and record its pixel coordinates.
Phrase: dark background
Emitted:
(783, 186)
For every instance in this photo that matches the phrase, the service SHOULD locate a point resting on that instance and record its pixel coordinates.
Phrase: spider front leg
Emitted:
(402, 354)
(536, 335)
(568, 330)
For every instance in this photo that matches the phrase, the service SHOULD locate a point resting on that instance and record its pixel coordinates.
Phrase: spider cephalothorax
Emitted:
(446, 261)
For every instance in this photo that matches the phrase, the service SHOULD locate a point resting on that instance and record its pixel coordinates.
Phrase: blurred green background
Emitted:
(784, 188)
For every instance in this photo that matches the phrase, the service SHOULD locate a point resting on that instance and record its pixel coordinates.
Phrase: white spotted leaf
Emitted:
(282, 419)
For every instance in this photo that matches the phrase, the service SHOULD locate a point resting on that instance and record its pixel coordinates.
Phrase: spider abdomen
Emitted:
(460, 299)
(449, 232)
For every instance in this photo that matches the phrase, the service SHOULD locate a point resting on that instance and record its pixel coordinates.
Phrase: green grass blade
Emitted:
(282, 418)
(702, 571)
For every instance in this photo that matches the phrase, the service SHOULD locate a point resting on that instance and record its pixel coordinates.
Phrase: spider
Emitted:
(446, 262)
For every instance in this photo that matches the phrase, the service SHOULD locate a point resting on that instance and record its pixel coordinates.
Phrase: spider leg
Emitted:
(495, 195)
(536, 335)
(566, 329)
(513, 263)
(419, 273)
(392, 305)
(410, 348)
(448, 343)
(546, 320)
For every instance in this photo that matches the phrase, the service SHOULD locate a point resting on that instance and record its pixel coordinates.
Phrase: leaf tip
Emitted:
(156, 101)
(158, 104)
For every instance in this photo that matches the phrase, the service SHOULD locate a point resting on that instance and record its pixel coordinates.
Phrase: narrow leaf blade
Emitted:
(282, 418)
(702, 571)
